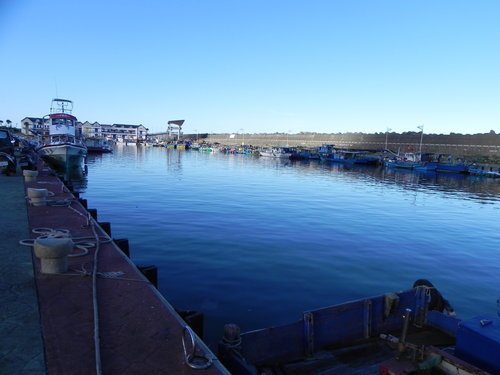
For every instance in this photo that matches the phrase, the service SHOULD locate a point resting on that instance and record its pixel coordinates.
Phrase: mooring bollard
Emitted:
(29, 175)
(38, 197)
(231, 335)
(53, 254)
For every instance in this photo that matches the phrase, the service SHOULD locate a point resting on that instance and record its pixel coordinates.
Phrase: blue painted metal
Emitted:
(365, 322)
(478, 341)
(445, 323)
(309, 333)
(452, 168)
(333, 327)
(367, 319)
(422, 300)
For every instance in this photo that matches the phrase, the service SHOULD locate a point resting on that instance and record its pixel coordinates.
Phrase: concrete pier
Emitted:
(137, 330)
(21, 347)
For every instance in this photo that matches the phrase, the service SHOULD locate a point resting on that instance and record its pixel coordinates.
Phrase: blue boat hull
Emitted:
(451, 168)
(362, 335)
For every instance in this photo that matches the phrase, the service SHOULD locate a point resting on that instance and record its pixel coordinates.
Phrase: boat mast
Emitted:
(421, 127)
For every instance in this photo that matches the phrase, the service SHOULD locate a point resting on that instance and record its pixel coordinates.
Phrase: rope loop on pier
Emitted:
(81, 243)
(193, 360)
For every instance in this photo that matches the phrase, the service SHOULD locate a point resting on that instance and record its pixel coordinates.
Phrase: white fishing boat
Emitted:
(98, 145)
(276, 152)
(62, 150)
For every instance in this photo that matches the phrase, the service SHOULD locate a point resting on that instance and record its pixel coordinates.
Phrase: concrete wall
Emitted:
(458, 144)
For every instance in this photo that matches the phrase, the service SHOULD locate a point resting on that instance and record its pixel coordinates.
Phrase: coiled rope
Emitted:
(84, 246)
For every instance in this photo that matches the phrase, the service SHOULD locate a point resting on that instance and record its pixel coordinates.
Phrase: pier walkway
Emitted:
(136, 331)
(21, 348)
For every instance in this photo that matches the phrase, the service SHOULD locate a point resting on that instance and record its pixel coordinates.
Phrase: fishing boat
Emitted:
(62, 150)
(98, 145)
(276, 152)
(485, 170)
(407, 160)
(349, 157)
(205, 148)
(408, 332)
(452, 168)
(426, 166)
(305, 154)
(451, 164)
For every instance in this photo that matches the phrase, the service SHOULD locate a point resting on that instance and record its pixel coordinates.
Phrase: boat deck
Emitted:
(139, 330)
(365, 356)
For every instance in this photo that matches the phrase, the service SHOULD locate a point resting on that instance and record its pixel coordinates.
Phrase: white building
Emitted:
(33, 126)
(124, 133)
(116, 132)
(91, 130)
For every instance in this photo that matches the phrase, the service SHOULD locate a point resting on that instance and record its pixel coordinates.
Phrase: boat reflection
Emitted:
(75, 179)
(487, 190)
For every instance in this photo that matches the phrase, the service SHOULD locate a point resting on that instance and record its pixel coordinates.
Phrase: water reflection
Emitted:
(257, 240)
(173, 158)
(75, 179)
(482, 189)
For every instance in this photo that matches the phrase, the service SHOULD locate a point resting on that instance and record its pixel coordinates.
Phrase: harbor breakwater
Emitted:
(476, 145)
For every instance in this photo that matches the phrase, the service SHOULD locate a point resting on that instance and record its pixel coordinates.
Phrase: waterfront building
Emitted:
(37, 125)
(124, 132)
(87, 129)
(90, 129)
(115, 132)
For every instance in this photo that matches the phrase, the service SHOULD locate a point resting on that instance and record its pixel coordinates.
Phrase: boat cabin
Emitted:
(62, 124)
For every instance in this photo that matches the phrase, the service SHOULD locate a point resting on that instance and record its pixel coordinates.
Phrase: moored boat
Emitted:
(452, 168)
(98, 145)
(426, 166)
(450, 164)
(62, 150)
(349, 157)
(276, 152)
(485, 170)
(205, 148)
(414, 331)
(407, 160)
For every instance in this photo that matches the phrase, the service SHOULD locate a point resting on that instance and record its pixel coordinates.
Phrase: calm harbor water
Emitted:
(257, 241)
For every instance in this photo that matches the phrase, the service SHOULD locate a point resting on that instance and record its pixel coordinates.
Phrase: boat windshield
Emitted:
(63, 139)
(63, 122)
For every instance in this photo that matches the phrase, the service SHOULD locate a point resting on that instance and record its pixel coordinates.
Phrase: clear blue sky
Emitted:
(257, 65)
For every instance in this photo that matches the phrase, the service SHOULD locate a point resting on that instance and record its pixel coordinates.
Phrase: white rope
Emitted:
(80, 243)
(84, 246)
(97, 340)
